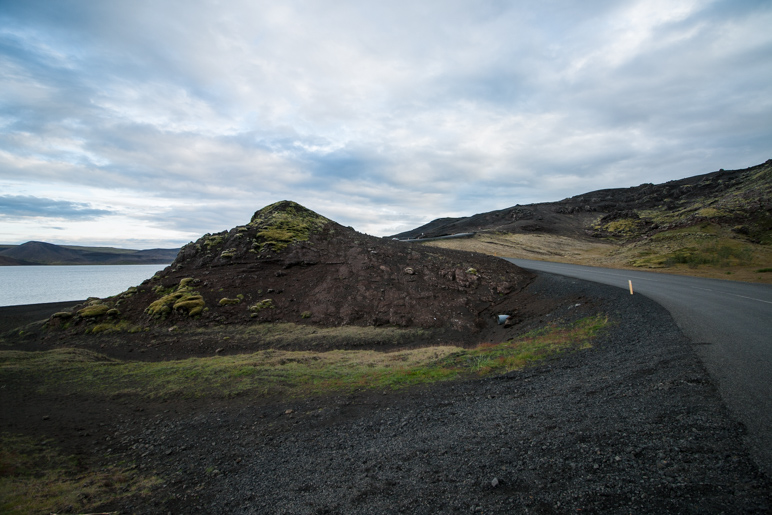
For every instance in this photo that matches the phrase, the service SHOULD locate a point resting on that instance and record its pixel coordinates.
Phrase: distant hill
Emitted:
(41, 253)
(7, 261)
(720, 219)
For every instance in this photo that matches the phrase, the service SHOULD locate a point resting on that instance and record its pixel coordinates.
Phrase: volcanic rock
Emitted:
(289, 264)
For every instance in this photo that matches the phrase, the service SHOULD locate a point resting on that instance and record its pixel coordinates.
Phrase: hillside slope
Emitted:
(713, 223)
(41, 253)
(289, 264)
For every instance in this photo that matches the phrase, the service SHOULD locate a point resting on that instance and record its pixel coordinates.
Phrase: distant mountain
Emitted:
(41, 253)
(7, 261)
(738, 199)
(720, 219)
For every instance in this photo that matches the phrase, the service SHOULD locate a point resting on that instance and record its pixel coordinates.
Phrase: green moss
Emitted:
(283, 223)
(129, 292)
(225, 301)
(263, 304)
(182, 300)
(212, 241)
(160, 290)
(95, 310)
(228, 254)
(124, 326)
(63, 315)
(711, 212)
(305, 314)
(161, 307)
(185, 283)
(192, 303)
(624, 227)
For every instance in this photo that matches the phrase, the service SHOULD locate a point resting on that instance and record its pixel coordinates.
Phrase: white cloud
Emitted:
(185, 117)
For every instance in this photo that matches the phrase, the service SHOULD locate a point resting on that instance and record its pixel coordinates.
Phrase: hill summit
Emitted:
(290, 264)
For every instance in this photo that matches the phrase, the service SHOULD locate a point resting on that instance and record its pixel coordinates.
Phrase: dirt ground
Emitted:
(632, 425)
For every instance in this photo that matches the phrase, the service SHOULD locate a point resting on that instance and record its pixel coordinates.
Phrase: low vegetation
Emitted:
(286, 373)
(704, 251)
(184, 299)
(37, 477)
(710, 225)
(283, 223)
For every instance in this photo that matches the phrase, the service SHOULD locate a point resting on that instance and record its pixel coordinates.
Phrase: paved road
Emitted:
(731, 326)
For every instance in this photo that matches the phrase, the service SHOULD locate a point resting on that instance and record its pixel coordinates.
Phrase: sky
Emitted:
(145, 124)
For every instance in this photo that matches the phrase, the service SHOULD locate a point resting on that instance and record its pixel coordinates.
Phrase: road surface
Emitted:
(730, 324)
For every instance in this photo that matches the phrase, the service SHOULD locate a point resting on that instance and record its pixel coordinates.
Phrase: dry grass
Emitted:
(36, 477)
(693, 251)
(285, 373)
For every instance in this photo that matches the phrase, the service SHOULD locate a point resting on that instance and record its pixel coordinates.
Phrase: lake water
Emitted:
(38, 284)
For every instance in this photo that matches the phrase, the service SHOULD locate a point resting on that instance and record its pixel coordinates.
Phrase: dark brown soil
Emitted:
(632, 425)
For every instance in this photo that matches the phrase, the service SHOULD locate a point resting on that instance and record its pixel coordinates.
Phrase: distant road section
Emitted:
(448, 237)
(730, 324)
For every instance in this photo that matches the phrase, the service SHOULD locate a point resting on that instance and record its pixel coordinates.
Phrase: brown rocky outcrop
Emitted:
(289, 264)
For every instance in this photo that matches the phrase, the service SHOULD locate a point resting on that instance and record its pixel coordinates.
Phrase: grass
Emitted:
(286, 373)
(715, 254)
(710, 251)
(36, 477)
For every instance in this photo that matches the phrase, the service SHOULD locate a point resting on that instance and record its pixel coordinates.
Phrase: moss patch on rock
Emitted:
(283, 223)
(263, 304)
(94, 310)
(184, 300)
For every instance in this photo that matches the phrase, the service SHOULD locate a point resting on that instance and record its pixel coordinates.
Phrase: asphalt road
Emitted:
(730, 324)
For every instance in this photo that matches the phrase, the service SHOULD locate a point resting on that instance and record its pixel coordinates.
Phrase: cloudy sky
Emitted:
(149, 123)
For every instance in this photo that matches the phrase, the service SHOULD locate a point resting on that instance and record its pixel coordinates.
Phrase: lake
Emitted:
(38, 284)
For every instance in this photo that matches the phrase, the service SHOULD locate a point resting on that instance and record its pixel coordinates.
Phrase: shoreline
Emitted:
(12, 317)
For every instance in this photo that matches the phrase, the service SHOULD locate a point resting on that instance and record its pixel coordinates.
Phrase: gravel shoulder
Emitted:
(632, 425)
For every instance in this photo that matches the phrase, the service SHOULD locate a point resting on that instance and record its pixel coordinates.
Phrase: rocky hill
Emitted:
(8, 261)
(722, 218)
(289, 264)
(41, 253)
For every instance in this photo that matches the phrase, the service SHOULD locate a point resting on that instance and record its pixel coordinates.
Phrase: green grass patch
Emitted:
(35, 477)
(288, 373)
(713, 254)
(764, 270)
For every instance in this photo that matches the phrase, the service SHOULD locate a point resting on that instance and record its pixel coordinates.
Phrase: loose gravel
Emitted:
(633, 425)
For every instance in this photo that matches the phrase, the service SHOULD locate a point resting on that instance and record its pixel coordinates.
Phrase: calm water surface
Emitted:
(37, 284)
